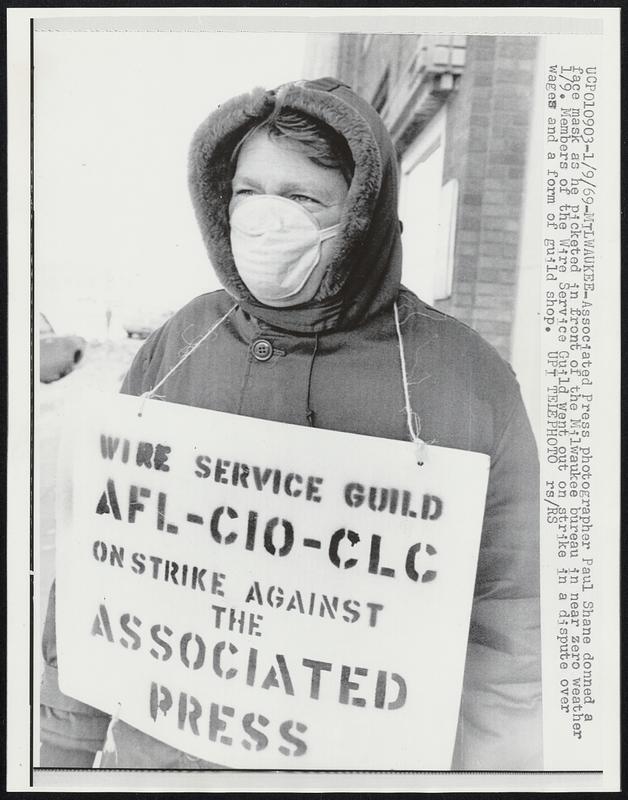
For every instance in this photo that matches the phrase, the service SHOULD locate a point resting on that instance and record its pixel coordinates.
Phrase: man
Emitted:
(295, 193)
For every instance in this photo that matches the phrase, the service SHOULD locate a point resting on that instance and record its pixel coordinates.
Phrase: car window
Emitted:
(44, 325)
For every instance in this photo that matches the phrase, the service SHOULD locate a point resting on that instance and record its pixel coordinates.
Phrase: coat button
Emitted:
(262, 349)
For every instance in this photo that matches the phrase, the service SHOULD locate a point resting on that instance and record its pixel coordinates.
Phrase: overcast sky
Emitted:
(114, 116)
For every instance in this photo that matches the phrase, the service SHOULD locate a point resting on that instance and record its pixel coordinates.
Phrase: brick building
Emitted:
(458, 109)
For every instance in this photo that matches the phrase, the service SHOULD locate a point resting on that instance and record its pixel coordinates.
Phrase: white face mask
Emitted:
(276, 245)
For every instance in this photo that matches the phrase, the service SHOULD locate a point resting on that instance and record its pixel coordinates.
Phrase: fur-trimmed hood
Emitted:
(363, 276)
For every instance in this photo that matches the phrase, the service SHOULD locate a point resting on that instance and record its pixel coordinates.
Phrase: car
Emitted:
(58, 355)
(143, 324)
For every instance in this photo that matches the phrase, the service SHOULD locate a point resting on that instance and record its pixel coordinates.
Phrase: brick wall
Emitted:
(487, 131)
(486, 144)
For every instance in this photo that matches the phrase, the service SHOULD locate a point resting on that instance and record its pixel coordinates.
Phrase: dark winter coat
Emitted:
(334, 363)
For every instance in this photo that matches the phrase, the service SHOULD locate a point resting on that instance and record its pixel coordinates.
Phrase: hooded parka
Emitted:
(334, 362)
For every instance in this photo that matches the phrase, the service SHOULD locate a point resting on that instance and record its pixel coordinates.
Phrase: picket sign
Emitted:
(264, 595)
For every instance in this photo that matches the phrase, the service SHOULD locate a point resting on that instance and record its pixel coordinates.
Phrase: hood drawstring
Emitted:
(309, 413)
(412, 418)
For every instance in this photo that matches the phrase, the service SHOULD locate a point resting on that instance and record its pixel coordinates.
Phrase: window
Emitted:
(428, 212)
(381, 95)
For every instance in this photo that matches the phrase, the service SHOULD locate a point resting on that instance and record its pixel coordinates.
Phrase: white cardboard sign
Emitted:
(264, 595)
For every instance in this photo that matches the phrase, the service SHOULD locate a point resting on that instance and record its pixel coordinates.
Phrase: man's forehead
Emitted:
(262, 146)
(264, 156)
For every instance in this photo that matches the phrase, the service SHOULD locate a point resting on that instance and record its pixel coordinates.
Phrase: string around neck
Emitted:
(412, 418)
(153, 392)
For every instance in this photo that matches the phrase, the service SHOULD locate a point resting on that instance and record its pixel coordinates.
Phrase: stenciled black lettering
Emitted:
(427, 512)
(261, 478)
(184, 644)
(327, 607)
(240, 475)
(271, 677)
(219, 648)
(254, 593)
(161, 457)
(354, 495)
(317, 667)
(102, 625)
(160, 700)
(378, 499)
(197, 578)
(298, 745)
(204, 470)
(374, 556)
(290, 478)
(108, 446)
(260, 738)
(347, 685)
(213, 525)
(189, 711)
(99, 551)
(162, 643)
(135, 505)
(312, 489)
(125, 624)
(334, 544)
(251, 530)
(220, 470)
(144, 455)
(218, 724)
(108, 503)
(139, 565)
(402, 693)
(116, 556)
(351, 609)
(251, 667)
(269, 531)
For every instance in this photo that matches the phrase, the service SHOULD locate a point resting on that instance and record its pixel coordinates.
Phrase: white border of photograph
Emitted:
(553, 24)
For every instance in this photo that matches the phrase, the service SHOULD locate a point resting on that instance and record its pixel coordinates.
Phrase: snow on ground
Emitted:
(103, 368)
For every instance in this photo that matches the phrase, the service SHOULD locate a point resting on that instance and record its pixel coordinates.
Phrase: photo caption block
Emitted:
(571, 553)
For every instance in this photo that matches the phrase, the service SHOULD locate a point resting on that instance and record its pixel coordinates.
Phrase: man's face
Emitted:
(266, 166)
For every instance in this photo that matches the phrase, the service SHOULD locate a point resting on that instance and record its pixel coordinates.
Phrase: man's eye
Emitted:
(302, 198)
(242, 192)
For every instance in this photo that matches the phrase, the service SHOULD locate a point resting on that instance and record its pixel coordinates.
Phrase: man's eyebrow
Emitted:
(289, 187)
(248, 181)
(303, 188)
